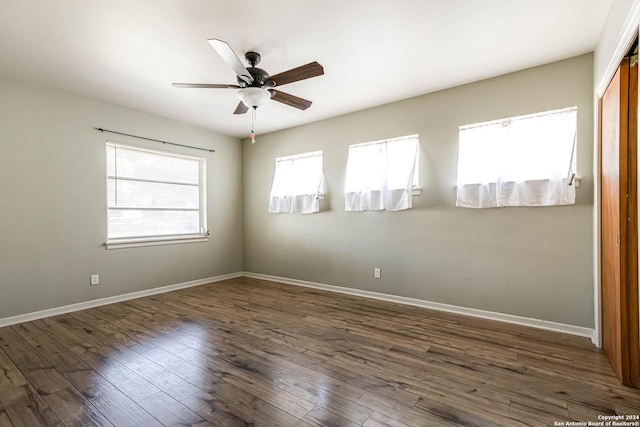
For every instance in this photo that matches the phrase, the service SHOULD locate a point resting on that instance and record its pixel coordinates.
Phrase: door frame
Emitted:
(625, 41)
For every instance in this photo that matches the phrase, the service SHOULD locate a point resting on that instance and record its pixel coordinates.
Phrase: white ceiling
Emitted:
(128, 52)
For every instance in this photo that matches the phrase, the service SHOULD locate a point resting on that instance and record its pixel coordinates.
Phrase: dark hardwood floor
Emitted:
(250, 352)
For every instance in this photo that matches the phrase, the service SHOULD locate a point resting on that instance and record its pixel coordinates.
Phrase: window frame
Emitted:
(572, 178)
(320, 194)
(165, 239)
(355, 172)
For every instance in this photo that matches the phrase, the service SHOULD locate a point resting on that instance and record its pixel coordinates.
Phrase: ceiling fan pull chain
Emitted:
(253, 125)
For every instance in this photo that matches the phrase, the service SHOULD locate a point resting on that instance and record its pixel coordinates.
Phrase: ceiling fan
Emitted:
(255, 84)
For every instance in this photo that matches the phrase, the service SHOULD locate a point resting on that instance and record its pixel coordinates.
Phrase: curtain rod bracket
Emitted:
(156, 140)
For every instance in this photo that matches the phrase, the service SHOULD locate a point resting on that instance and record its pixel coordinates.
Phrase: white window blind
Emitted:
(153, 194)
(521, 161)
(298, 184)
(381, 174)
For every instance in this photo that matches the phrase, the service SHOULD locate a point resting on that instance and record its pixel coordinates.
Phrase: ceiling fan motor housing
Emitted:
(260, 78)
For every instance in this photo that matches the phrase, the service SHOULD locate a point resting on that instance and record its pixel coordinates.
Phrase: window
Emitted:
(298, 184)
(154, 197)
(381, 175)
(520, 161)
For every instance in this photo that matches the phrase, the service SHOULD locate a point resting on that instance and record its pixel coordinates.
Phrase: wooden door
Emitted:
(619, 238)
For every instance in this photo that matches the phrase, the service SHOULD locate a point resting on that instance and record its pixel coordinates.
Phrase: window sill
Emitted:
(155, 241)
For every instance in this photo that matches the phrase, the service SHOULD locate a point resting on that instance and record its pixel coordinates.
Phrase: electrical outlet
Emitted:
(95, 279)
(376, 273)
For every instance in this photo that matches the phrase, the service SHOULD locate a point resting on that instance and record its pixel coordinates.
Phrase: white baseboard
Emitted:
(501, 317)
(21, 318)
(491, 315)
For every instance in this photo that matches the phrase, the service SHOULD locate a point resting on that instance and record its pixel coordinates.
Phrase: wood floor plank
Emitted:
(37, 338)
(10, 376)
(253, 352)
(571, 389)
(249, 405)
(106, 360)
(21, 352)
(322, 417)
(461, 415)
(125, 380)
(170, 412)
(626, 410)
(378, 420)
(322, 398)
(406, 414)
(28, 409)
(21, 403)
(162, 378)
(216, 411)
(4, 419)
(115, 328)
(11, 342)
(293, 384)
(204, 377)
(526, 412)
(85, 379)
(47, 381)
(229, 405)
(122, 411)
(73, 409)
(254, 377)
(280, 361)
(53, 327)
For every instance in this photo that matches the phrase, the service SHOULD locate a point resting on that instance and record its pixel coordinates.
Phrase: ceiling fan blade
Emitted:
(312, 69)
(241, 108)
(230, 57)
(290, 100)
(204, 86)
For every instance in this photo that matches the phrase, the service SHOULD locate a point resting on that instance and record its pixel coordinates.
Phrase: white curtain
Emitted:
(380, 175)
(298, 184)
(523, 161)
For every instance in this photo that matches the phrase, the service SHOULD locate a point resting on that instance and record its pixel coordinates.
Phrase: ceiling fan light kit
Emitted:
(254, 97)
(255, 84)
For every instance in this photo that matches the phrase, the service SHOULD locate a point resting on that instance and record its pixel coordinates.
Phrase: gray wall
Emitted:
(533, 262)
(53, 202)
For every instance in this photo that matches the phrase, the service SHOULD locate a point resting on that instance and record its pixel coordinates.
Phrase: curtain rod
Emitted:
(516, 118)
(299, 156)
(383, 141)
(156, 140)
